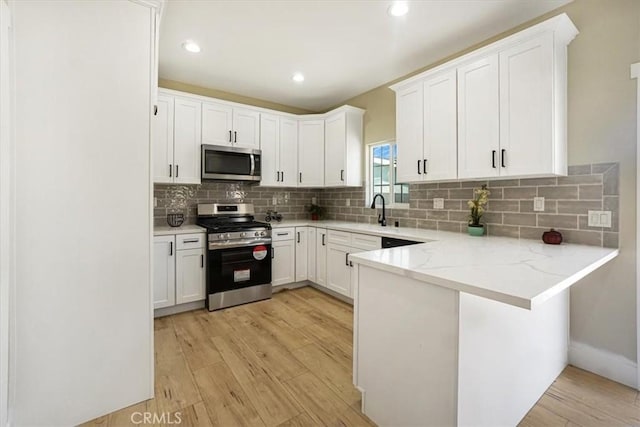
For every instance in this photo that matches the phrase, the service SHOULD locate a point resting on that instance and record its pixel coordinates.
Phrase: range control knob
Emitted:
(221, 236)
(228, 235)
(243, 234)
(263, 233)
(257, 234)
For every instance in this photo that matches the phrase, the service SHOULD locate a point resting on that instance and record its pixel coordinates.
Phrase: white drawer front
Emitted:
(190, 241)
(366, 242)
(339, 237)
(278, 234)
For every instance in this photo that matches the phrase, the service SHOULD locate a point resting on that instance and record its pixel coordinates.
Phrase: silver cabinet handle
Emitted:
(252, 157)
(282, 234)
(191, 241)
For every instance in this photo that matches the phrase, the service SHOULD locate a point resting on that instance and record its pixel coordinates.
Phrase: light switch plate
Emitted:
(275, 200)
(438, 203)
(155, 202)
(599, 219)
(538, 204)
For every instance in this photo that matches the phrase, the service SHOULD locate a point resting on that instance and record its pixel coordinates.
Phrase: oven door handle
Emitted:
(238, 244)
(253, 164)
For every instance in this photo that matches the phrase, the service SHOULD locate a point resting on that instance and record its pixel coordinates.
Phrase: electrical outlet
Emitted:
(599, 219)
(538, 204)
(275, 200)
(314, 201)
(438, 203)
(347, 202)
(155, 202)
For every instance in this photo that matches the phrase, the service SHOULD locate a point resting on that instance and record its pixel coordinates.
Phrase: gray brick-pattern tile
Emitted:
(509, 212)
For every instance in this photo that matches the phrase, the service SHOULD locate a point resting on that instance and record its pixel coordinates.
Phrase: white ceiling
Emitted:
(343, 48)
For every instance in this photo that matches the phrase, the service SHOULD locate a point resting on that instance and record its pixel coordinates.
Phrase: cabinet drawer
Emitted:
(366, 242)
(278, 234)
(190, 241)
(339, 237)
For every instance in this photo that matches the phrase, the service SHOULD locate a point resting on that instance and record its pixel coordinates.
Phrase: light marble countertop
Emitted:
(165, 230)
(523, 273)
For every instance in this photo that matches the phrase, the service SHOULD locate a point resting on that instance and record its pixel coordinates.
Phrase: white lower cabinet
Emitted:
(190, 275)
(321, 257)
(283, 262)
(302, 253)
(178, 269)
(338, 269)
(164, 271)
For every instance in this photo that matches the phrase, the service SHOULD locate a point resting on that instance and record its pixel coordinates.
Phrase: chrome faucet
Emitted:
(381, 218)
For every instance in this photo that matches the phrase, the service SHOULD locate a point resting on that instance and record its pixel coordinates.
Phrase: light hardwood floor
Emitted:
(287, 362)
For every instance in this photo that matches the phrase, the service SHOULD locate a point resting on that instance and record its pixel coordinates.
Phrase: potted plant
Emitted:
(477, 206)
(315, 211)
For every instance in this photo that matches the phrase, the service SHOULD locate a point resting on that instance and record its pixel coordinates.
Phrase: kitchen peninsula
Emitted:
(463, 331)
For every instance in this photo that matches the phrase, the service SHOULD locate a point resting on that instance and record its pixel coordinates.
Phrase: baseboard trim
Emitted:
(180, 308)
(604, 363)
(290, 286)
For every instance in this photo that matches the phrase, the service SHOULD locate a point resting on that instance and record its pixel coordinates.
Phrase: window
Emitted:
(382, 175)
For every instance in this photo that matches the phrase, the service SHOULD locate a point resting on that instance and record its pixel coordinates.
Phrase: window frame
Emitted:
(369, 176)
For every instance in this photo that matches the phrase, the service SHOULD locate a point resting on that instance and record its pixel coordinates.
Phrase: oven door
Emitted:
(230, 163)
(229, 269)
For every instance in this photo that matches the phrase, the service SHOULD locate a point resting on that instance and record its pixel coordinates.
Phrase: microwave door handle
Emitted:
(253, 164)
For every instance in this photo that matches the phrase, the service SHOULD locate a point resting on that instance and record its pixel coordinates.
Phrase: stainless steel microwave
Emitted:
(230, 163)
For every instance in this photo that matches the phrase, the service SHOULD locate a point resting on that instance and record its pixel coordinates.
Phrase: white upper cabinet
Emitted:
(246, 128)
(311, 153)
(216, 124)
(270, 142)
(186, 144)
(510, 109)
(440, 128)
(289, 175)
(427, 129)
(478, 119)
(279, 141)
(527, 140)
(343, 148)
(409, 130)
(223, 124)
(162, 139)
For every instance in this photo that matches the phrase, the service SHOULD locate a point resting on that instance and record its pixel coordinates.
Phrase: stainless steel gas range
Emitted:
(238, 257)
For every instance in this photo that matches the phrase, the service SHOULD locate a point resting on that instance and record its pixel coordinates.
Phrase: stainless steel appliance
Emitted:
(238, 257)
(230, 163)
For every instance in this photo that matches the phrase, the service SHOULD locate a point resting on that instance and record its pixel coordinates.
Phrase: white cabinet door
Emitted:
(289, 175)
(335, 147)
(269, 141)
(190, 275)
(321, 256)
(526, 109)
(338, 269)
(311, 255)
(440, 127)
(162, 140)
(246, 128)
(311, 153)
(187, 136)
(302, 253)
(164, 271)
(283, 264)
(217, 124)
(478, 119)
(409, 134)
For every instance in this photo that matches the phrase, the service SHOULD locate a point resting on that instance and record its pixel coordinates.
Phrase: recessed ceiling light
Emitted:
(191, 46)
(398, 8)
(298, 77)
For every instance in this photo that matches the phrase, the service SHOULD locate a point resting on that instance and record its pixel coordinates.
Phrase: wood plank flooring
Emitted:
(288, 361)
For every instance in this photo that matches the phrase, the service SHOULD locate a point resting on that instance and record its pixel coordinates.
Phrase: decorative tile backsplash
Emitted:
(510, 209)
(509, 212)
(171, 198)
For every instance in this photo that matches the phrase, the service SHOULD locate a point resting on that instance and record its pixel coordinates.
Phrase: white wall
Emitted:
(6, 220)
(83, 331)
